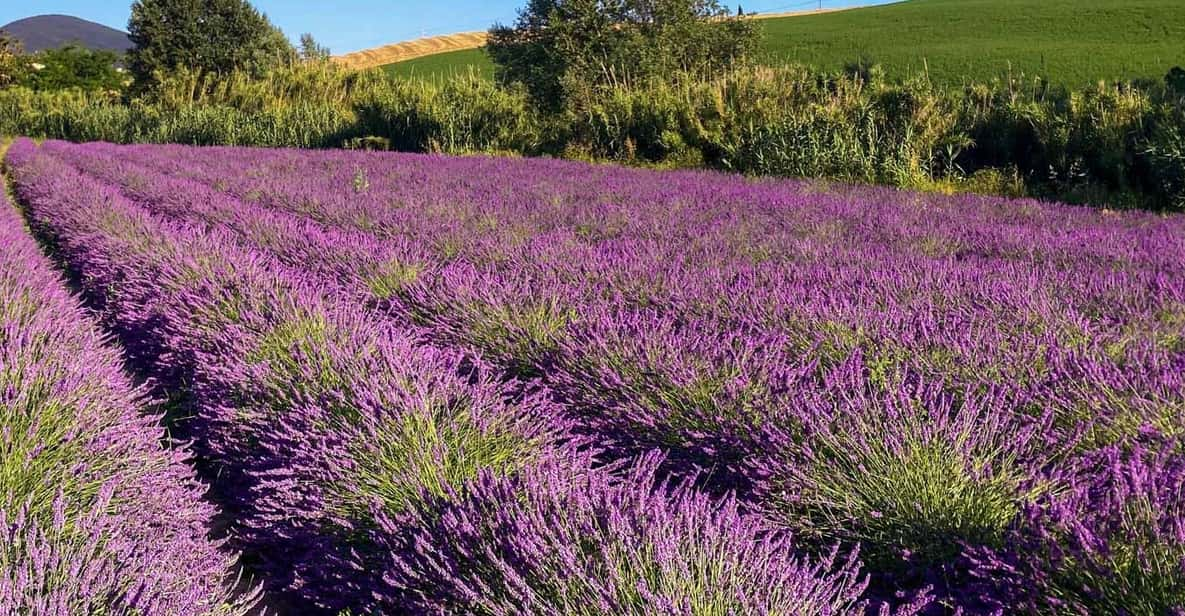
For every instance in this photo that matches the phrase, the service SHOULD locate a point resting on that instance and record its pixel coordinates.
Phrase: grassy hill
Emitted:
(444, 65)
(1073, 42)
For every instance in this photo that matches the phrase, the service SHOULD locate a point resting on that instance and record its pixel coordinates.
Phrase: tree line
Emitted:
(214, 37)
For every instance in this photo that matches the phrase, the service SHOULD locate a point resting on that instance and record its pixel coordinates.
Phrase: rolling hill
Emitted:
(444, 65)
(1072, 42)
(410, 50)
(53, 31)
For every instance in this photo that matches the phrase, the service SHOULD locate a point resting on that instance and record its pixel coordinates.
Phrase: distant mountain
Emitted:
(53, 31)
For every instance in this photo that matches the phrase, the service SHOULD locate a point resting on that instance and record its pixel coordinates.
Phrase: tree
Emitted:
(14, 65)
(560, 48)
(75, 67)
(209, 36)
(311, 50)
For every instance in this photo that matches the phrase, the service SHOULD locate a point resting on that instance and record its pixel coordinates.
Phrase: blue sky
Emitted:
(349, 25)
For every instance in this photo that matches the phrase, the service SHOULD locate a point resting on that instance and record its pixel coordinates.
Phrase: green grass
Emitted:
(445, 65)
(1072, 42)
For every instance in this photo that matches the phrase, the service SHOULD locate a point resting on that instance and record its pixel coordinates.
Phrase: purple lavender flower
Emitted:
(1112, 542)
(920, 375)
(94, 515)
(314, 415)
(554, 541)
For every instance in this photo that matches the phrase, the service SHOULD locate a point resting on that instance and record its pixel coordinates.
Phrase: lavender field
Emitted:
(94, 516)
(432, 385)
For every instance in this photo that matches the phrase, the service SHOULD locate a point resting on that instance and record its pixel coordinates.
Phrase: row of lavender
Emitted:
(95, 517)
(365, 468)
(986, 396)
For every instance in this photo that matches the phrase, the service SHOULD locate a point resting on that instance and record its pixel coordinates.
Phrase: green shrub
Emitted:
(1175, 80)
(465, 115)
(626, 124)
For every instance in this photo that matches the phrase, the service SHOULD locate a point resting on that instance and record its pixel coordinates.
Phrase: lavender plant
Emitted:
(95, 517)
(551, 541)
(1113, 542)
(1120, 534)
(912, 474)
